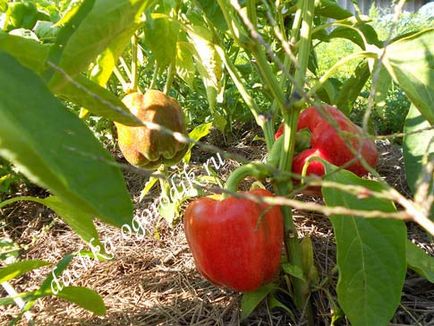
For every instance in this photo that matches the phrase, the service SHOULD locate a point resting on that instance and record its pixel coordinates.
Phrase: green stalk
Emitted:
(134, 66)
(251, 11)
(21, 198)
(170, 78)
(266, 126)
(292, 244)
(256, 170)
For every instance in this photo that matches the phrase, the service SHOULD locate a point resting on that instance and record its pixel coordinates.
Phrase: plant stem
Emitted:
(236, 78)
(134, 66)
(21, 198)
(170, 78)
(256, 170)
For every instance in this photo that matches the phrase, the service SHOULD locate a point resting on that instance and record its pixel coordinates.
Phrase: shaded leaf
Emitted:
(370, 253)
(352, 87)
(331, 9)
(419, 261)
(185, 67)
(80, 221)
(416, 145)
(55, 150)
(410, 62)
(96, 30)
(161, 35)
(29, 53)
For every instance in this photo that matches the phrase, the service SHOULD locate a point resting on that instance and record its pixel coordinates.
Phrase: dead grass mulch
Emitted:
(153, 280)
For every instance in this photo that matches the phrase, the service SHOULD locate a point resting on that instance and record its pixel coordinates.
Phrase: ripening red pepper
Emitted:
(235, 242)
(329, 145)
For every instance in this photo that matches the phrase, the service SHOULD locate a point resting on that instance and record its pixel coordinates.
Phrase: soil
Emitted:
(153, 281)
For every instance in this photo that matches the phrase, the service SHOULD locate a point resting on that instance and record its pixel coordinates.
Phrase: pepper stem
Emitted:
(256, 170)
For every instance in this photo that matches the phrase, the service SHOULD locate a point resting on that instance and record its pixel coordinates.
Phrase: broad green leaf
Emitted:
(185, 67)
(419, 261)
(55, 150)
(330, 9)
(148, 186)
(370, 253)
(329, 91)
(197, 134)
(80, 91)
(410, 62)
(97, 100)
(107, 60)
(20, 15)
(416, 145)
(80, 221)
(250, 300)
(293, 270)
(214, 13)
(161, 35)
(85, 298)
(45, 288)
(28, 52)
(209, 65)
(98, 27)
(352, 87)
(384, 83)
(17, 269)
(352, 35)
(75, 14)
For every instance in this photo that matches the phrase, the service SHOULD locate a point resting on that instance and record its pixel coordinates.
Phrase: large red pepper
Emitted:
(329, 145)
(236, 243)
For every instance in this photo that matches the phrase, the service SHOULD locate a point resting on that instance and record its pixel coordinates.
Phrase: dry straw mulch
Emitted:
(153, 281)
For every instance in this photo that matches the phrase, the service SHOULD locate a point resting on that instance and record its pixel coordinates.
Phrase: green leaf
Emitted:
(370, 253)
(293, 270)
(55, 150)
(330, 9)
(80, 221)
(250, 300)
(148, 186)
(410, 62)
(350, 34)
(416, 146)
(185, 67)
(17, 269)
(85, 298)
(28, 52)
(97, 100)
(98, 26)
(384, 83)
(352, 87)
(419, 261)
(161, 35)
(214, 13)
(197, 134)
(45, 288)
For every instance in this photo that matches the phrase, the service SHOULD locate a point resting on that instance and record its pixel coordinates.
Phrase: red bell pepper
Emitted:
(329, 145)
(236, 243)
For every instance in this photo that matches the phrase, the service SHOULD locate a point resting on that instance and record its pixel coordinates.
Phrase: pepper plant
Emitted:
(96, 51)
